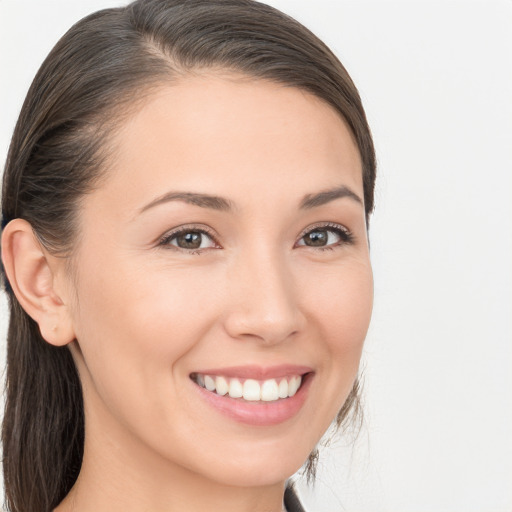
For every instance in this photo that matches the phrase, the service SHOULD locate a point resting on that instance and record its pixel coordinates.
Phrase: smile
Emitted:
(250, 390)
(254, 395)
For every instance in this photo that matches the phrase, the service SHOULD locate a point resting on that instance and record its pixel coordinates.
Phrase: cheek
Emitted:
(135, 325)
(135, 329)
(142, 308)
(344, 305)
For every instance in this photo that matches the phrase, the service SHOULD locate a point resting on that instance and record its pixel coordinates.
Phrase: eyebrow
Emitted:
(308, 202)
(195, 198)
(313, 200)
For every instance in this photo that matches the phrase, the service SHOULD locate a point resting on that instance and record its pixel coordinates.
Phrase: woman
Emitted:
(185, 202)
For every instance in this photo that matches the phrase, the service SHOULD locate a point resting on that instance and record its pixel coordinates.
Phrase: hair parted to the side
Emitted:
(90, 80)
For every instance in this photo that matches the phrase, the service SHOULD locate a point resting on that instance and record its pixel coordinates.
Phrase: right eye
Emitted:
(191, 240)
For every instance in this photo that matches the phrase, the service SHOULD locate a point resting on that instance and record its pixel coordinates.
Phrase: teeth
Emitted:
(221, 386)
(270, 390)
(283, 389)
(209, 383)
(235, 389)
(250, 389)
(293, 386)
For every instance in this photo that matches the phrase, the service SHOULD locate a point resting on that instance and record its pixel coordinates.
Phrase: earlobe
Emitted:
(32, 276)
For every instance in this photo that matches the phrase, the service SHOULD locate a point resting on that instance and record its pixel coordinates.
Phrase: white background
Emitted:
(436, 80)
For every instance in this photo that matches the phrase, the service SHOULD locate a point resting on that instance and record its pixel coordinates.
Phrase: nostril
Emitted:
(268, 329)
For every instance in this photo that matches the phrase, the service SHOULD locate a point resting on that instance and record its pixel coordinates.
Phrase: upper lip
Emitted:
(258, 372)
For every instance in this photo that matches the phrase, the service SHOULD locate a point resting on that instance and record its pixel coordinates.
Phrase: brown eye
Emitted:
(325, 237)
(189, 239)
(316, 238)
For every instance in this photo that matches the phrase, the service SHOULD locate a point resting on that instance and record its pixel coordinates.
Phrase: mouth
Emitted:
(255, 396)
(250, 390)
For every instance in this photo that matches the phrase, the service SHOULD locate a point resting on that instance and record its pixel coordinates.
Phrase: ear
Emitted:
(34, 278)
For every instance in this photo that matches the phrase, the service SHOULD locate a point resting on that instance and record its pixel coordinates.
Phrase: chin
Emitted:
(267, 473)
(258, 466)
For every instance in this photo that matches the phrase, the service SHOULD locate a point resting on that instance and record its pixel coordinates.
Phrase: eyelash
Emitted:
(166, 239)
(346, 237)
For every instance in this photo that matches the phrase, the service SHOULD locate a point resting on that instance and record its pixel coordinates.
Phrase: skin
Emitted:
(140, 316)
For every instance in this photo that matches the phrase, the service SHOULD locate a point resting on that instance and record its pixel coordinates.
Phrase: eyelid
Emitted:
(325, 224)
(200, 228)
(347, 234)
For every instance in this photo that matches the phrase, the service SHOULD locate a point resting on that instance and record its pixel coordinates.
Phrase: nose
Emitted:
(264, 303)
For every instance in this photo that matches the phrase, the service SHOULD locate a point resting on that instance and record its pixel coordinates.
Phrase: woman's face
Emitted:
(226, 247)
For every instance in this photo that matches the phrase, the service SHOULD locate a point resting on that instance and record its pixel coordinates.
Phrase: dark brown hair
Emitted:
(100, 68)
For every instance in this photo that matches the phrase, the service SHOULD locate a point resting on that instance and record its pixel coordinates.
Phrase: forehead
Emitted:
(232, 135)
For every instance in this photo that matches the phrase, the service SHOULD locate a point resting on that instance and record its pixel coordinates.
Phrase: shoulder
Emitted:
(291, 501)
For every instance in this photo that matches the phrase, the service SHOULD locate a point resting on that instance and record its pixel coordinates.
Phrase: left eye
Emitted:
(191, 239)
(325, 237)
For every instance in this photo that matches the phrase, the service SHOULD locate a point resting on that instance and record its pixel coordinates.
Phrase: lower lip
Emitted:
(258, 413)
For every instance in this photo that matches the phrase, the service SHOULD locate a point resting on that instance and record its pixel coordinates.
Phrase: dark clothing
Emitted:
(291, 502)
